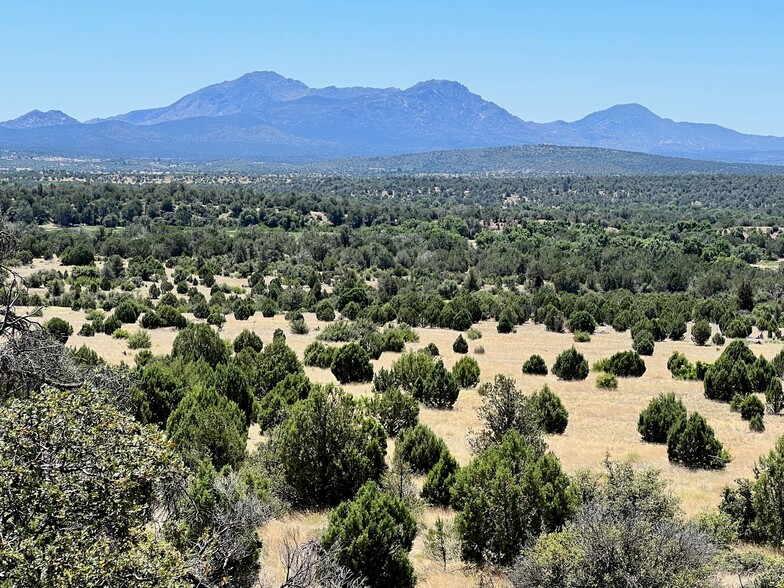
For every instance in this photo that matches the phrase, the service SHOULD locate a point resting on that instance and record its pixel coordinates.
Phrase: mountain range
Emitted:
(263, 116)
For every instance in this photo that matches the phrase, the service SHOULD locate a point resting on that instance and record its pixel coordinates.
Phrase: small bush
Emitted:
(700, 332)
(394, 410)
(581, 337)
(479, 350)
(643, 342)
(535, 366)
(691, 442)
(460, 345)
(466, 372)
(248, 340)
(751, 406)
(432, 350)
(582, 321)
(420, 448)
(299, 327)
(319, 355)
(140, 340)
(383, 380)
(58, 329)
(87, 330)
(473, 334)
(680, 367)
(626, 364)
(439, 390)
(659, 416)
(552, 415)
(718, 339)
(438, 484)
(756, 423)
(121, 334)
(325, 312)
(607, 382)
(571, 365)
(351, 363)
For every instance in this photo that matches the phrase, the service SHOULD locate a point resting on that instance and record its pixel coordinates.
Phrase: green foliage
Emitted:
(642, 342)
(58, 329)
(700, 332)
(383, 380)
(692, 443)
(535, 365)
(460, 345)
(505, 408)
(582, 321)
(552, 414)
(581, 337)
(774, 396)
(680, 367)
(466, 372)
(512, 478)
(718, 339)
(659, 416)
(729, 375)
(276, 361)
(247, 339)
(127, 312)
(756, 423)
(570, 365)
(273, 408)
(750, 407)
(438, 485)
(625, 364)
(207, 425)
(156, 392)
(506, 322)
(325, 312)
(719, 526)
(140, 340)
(77, 478)
(198, 341)
(351, 363)
(767, 498)
(627, 532)
(319, 355)
(394, 410)
(243, 309)
(440, 389)
(374, 532)
(607, 382)
(232, 382)
(473, 334)
(87, 330)
(327, 448)
(420, 448)
(411, 370)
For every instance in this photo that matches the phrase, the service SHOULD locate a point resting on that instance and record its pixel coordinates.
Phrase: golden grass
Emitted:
(600, 421)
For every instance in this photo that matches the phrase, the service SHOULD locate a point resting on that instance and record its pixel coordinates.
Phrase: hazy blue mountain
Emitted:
(36, 119)
(265, 116)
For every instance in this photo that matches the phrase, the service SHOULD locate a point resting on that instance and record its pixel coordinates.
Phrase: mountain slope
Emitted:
(265, 116)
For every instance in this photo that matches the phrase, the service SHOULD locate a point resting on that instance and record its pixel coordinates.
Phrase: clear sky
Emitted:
(698, 60)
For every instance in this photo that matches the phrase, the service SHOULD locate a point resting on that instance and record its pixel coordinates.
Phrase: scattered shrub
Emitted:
(700, 332)
(643, 342)
(581, 337)
(460, 345)
(692, 443)
(140, 340)
(351, 363)
(659, 416)
(394, 410)
(571, 365)
(420, 448)
(553, 416)
(607, 381)
(625, 364)
(247, 339)
(473, 334)
(466, 372)
(87, 330)
(751, 406)
(58, 329)
(535, 366)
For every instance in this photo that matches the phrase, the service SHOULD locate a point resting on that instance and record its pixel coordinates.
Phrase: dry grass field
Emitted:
(601, 422)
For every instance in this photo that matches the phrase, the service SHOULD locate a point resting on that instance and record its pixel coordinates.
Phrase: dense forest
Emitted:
(140, 474)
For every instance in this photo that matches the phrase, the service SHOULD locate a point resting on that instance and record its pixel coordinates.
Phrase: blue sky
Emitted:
(697, 60)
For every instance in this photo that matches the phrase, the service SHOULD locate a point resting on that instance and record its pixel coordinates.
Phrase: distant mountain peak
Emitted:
(440, 86)
(37, 119)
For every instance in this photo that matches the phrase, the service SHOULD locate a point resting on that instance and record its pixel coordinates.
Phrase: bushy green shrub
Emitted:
(625, 364)
(643, 342)
(58, 329)
(700, 332)
(351, 363)
(535, 366)
(394, 410)
(691, 442)
(140, 340)
(374, 532)
(570, 365)
(553, 416)
(198, 341)
(87, 330)
(729, 375)
(438, 485)
(439, 390)
(659, 416)
(247, 339)
(420, 448)
(466, 372)
(583, 321)
(581, 337)
(460, 345)
(751, 406)
(319, 355)
(607, 381)
(680, 367)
